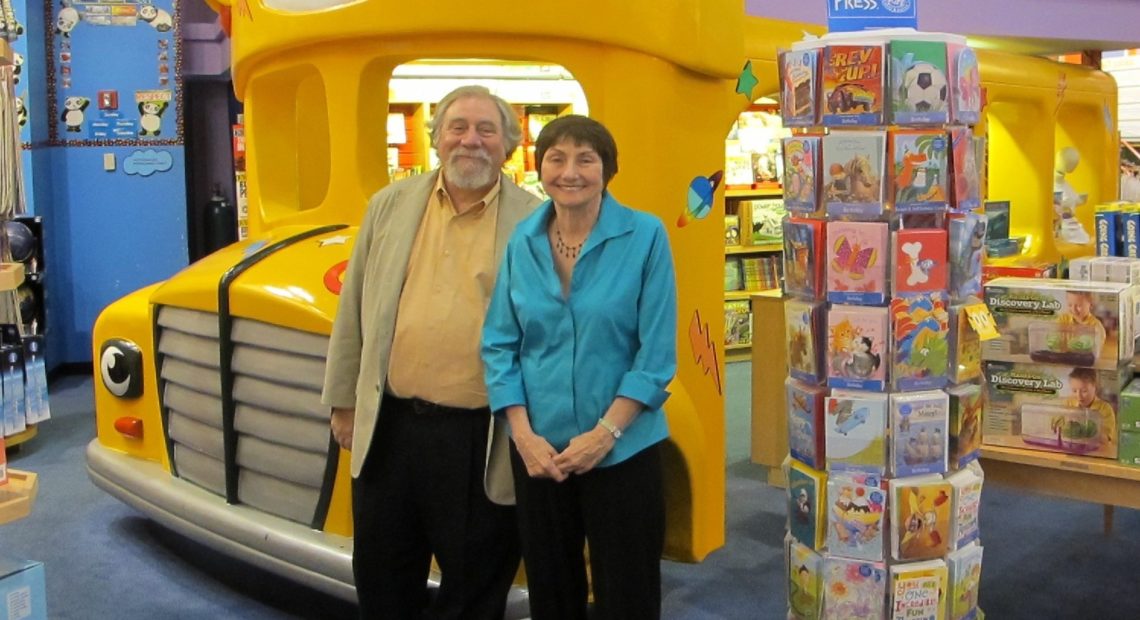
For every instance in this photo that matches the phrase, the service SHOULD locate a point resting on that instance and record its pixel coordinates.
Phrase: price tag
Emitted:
(982, 321)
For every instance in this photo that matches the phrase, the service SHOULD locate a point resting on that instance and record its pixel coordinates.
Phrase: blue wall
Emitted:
(110, 233)
(107, 233)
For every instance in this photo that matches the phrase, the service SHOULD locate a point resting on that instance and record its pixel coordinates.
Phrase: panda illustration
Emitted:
(156, 17)
(18, 67)
(150, 117)
(21, 111)
(73, 108)
(66, 20)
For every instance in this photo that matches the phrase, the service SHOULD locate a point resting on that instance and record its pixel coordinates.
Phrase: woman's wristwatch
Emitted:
(606, 424)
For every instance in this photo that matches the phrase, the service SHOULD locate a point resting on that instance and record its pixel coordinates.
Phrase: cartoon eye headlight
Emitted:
(120, 365)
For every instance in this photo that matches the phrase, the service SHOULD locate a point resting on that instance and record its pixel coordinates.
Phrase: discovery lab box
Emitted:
(1053, 408)
(1069, 322)
(22, 591)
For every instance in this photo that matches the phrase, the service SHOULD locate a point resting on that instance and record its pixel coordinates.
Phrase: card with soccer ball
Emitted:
(920, 91)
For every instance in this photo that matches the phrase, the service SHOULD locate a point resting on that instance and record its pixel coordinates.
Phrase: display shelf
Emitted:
(18, 495)
(762, 192)
(745, 295)
(753, 249)
(769, 424)
(14, 440)
(737, 352)
(1101, 481)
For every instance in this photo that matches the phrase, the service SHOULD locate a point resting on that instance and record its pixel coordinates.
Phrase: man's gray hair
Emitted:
(512, 131)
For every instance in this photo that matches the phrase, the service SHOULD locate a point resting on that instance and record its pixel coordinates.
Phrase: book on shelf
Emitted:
(731, 229)
(920, 517)
(761, 272)
(737, 322)
(733, 276)
(918, 590)
(766, 217)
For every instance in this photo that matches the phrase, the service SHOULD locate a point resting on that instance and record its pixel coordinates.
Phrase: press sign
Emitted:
(851, 15)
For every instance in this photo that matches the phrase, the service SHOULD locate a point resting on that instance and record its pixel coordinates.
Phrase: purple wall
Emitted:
(1099, 20)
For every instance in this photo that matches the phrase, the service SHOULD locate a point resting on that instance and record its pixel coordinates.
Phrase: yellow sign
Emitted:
(982, 321)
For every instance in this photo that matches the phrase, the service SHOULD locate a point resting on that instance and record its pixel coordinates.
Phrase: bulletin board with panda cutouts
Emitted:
(114, 77)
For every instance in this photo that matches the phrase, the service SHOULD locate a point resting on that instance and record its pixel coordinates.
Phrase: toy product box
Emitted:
(857, 258)
(920, 350)
(1026, 269)
(1106, 234)
(852, 174)
(920, 88)
(858, 349)
(1053, 407)
(1080, 268)
(854, 83)
(802, 160)
(1113, 269)
(966, 254)
(803, 322)
(1129, 412)
(1061, 322)
(919, 260)
(805, 422)
(1129, 449)
(22, 589)
(920, 170)
(798, 83)
(803, 263)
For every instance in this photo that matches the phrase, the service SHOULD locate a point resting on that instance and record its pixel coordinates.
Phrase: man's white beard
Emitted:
(457, 174)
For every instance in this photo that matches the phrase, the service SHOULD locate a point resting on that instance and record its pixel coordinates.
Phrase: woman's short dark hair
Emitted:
(583, 131)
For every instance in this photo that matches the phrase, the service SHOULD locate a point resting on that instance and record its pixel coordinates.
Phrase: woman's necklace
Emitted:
(565, 249)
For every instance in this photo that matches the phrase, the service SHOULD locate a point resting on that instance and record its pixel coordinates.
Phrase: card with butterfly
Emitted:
(858, 347)
(857, 262)
(919, 260)
(803, 329)
(803, 268)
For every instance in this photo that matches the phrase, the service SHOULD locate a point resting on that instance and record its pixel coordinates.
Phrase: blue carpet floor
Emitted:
(1045, 558)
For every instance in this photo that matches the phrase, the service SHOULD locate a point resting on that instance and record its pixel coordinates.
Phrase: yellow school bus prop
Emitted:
(207, 384)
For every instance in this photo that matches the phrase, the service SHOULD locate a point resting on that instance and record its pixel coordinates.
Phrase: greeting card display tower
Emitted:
(883, 255)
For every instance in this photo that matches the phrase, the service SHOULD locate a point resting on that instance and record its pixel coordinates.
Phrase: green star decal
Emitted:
(746, 82)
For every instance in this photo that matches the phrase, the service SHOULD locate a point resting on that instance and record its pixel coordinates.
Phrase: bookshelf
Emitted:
(753, 264)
